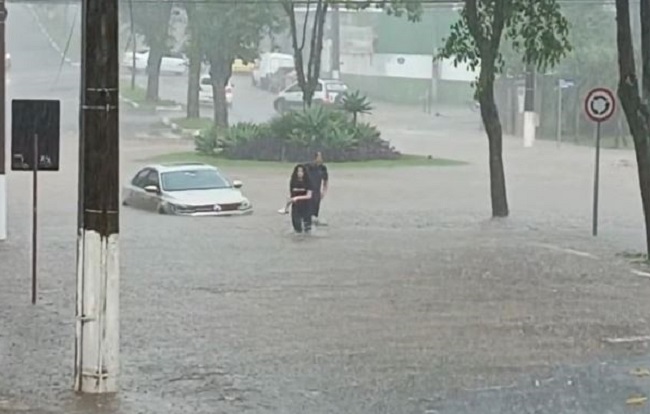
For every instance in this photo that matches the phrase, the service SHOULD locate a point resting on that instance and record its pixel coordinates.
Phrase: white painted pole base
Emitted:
(3, 207)
(98, 339)
(529, 129)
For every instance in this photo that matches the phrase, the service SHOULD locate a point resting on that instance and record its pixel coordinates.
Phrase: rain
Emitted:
(425, 283)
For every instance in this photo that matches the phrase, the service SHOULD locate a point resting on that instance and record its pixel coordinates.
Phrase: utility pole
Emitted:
(97, 310)
(3, 127)
(336, 42)
(529, 107)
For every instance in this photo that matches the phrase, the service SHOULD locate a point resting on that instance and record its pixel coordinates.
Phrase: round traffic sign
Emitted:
(600, 104)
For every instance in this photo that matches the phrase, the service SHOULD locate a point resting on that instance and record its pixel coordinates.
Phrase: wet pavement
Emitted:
(410, 301)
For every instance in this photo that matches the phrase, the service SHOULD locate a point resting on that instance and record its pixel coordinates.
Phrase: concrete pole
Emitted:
(336, 42)
(558, 132)
(3, 127)
(97, 310)
(529, 107)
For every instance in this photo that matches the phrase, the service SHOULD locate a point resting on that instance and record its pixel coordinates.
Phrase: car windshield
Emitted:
(193, 180)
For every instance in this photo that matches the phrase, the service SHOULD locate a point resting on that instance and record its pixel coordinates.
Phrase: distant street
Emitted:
(249, 104)
(411, 301)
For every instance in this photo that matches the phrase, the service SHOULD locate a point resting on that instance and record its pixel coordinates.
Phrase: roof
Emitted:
(182, 166)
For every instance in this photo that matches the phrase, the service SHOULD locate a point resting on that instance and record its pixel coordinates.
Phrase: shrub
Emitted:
(206, 141)
(355, 103)
(295, 136)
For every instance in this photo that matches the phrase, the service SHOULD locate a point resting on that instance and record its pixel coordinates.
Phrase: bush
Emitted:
(295, 136)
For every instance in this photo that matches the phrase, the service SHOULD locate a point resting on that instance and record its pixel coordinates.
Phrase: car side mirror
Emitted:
(237, 184)
(151, 189)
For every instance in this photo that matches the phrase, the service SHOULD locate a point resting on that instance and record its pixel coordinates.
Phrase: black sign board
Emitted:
(35, 133)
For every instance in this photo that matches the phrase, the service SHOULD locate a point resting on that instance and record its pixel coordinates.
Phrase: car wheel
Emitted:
(161, 209)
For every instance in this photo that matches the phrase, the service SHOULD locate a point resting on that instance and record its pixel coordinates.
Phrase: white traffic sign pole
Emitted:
(600, 105)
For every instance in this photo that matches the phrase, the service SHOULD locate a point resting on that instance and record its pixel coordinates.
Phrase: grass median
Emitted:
(405, 160)
(138, 95)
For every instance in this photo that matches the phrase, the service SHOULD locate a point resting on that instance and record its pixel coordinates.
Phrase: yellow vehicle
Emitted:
(238, 66)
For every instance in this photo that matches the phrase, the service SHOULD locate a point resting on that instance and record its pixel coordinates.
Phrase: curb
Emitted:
(178, 130)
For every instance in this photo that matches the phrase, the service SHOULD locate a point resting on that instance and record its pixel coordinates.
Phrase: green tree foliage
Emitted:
(230, 30)
(537, 31)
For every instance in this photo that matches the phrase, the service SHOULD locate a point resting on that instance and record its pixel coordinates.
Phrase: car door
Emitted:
(150, 201)
(293, 95)
(134, 192)
(205, 91)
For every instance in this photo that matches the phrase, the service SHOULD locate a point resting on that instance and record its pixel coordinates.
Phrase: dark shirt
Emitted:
(299, 188)
(317, 174)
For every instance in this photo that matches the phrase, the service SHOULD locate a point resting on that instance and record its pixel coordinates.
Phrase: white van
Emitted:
(267, 65)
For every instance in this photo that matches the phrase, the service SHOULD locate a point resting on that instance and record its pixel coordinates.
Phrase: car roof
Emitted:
(181, 166)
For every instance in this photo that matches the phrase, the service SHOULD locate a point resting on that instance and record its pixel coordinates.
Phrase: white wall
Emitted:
(389, 65)
(461, 73)
(403, 66)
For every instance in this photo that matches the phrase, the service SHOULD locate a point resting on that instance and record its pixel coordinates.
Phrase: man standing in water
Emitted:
(319, 179)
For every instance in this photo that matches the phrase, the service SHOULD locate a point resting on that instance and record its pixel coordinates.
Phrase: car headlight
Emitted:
(175, 207)
(245, 205)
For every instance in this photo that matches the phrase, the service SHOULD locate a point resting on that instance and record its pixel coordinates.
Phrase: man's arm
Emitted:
(326, 180)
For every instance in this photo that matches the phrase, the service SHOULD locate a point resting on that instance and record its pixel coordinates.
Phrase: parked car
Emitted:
(171, 63)
(266, 65)
(186, 189)
(327, 92)
(206, 94)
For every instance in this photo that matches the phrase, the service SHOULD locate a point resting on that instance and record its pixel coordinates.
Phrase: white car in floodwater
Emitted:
(171, 63)
(206, 93)
(186, 189)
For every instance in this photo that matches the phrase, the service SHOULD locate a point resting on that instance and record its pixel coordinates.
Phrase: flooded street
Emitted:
(410, 301)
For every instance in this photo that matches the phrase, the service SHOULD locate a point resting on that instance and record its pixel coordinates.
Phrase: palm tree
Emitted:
(355, 103)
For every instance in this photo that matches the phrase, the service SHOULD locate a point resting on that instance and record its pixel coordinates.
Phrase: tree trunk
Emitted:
(220, 71)
(153, 72)
(489, 49)
(490, 116)
(194, 72)
(193, 80)
(298, 46)
(315, 53)
(636, 106)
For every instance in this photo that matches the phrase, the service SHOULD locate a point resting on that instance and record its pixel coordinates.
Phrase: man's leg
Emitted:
(315, 206)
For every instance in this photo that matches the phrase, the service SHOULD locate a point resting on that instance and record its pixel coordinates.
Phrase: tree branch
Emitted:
(625, 44)
(304, 26)
(473, 22)
(498, 24)
(645, 50)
